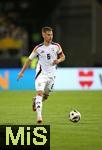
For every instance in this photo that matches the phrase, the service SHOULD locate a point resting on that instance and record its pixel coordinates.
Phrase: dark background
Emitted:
(77, 27)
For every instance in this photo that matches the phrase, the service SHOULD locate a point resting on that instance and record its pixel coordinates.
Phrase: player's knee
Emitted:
(40, 93)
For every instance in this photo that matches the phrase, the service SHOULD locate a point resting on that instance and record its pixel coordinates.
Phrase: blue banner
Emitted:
(8, 80)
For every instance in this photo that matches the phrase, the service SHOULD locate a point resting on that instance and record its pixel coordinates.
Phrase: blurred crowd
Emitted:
(12, 35)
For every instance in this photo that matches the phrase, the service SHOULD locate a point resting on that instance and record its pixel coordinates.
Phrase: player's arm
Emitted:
(61, 56)
(25, 66)
(27, 63)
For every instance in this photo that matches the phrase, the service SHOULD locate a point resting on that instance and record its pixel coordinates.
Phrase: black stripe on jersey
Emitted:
(57, 44)
(38, 73)
(39, 45)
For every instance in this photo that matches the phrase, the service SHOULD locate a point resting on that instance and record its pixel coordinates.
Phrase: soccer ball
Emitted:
(74, 116)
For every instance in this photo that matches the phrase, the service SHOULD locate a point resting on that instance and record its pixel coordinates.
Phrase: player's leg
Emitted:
(40, 84)
(46, 93)
(39, 87)
(48, 89)
(38, 105)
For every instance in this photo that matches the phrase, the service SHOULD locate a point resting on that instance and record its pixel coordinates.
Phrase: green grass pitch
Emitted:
(15, 108)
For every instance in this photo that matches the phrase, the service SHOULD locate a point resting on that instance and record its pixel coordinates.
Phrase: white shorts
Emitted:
(44, 83)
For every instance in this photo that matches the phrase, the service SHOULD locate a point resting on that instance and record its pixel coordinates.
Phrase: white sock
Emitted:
(39, 106)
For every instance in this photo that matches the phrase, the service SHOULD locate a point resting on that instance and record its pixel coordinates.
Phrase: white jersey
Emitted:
(46, 56)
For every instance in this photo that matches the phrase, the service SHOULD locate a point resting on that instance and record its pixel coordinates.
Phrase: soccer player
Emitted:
(49, 55)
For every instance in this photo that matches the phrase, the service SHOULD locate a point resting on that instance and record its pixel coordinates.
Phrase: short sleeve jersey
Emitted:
(46, 56)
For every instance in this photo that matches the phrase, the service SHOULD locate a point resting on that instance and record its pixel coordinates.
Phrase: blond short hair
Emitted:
(46, 28)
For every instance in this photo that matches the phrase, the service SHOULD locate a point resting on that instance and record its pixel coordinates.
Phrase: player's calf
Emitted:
(45, 97)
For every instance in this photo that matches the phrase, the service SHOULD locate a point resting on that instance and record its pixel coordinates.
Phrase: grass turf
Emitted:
(15, 108)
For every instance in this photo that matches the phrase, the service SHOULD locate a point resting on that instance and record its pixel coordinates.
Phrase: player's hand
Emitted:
(55, 62)
(20, 75)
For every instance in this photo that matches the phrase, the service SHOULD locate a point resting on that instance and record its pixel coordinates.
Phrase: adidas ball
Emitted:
(74, 116)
